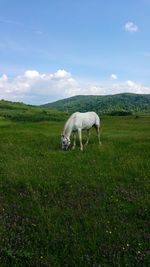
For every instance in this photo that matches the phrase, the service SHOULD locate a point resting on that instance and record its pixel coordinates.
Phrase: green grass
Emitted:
(16, 111)
(75, 209)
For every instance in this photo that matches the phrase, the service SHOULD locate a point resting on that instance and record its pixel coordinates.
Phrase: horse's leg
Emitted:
(98, 133)
(80, 138)
(88, 137)
(74, 140)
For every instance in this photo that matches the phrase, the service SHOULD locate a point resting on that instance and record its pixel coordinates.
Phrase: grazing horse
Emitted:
(76, 123)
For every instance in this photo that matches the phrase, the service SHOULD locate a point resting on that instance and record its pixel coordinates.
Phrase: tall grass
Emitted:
(75, 208)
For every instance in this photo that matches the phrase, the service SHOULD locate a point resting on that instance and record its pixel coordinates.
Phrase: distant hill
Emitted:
(21, 112)
(109, 104)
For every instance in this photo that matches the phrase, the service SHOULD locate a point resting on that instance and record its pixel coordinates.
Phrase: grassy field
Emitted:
(75, 209)
(16, 111)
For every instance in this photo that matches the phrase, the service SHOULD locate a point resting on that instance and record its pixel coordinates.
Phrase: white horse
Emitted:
(76, 123)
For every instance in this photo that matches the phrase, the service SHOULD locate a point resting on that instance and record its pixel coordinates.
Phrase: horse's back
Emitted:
(85, 120)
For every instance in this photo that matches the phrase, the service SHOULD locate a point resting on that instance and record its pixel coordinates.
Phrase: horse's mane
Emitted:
(69, 121)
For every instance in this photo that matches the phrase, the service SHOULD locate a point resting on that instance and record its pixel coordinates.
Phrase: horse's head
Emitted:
(65, 142)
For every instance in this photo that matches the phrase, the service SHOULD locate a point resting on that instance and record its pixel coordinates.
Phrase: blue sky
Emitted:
(52, 49)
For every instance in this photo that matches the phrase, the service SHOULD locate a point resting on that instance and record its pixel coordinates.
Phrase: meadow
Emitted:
(72, 208)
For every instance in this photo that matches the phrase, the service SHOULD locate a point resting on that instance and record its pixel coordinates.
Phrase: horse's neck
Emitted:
(68, 128)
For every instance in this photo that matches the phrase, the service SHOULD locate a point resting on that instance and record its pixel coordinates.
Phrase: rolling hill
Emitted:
(109, 104)
(16, 111)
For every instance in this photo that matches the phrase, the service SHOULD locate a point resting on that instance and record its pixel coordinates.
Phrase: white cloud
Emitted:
(37, 88)
(32, 74)
(4, 78)
(61, 74)
(131, 27)
(136, 87)
(113, 77)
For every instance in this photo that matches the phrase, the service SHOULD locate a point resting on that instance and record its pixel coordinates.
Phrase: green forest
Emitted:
(120, 104)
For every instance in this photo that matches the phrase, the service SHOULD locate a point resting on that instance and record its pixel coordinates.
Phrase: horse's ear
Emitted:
(62, 135)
